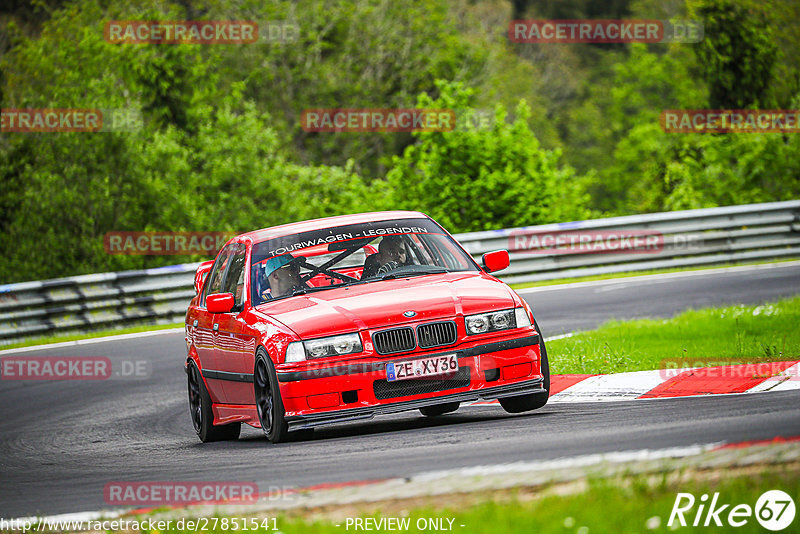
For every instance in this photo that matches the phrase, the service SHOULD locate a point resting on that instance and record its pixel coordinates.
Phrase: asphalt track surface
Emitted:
(61, 442)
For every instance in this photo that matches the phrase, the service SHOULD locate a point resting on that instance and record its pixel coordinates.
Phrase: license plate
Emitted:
(433, 366)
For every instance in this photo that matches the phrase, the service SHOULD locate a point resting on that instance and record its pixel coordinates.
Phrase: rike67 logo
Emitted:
(774, 510)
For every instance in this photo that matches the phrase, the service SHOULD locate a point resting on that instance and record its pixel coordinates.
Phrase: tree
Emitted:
(481, 179)
(204, 159)
(738, 54)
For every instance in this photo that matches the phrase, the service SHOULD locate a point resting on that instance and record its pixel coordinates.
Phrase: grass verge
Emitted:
(630, 504)
(741, 334)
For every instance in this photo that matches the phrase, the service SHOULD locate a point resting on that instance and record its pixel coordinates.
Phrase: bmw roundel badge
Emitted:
(410, 313)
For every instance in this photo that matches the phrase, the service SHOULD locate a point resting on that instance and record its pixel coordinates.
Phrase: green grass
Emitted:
(89, 335)
(742, 334)
(630, 274)
(620, 505)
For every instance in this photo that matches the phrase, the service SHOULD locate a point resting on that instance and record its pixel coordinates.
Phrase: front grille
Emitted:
(405, 388)
(394, 340)
(436, 334)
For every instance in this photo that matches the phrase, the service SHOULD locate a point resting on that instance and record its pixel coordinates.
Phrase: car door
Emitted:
(234, 347)
(205, 331)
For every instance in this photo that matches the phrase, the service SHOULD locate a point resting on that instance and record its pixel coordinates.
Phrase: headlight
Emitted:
(522, 317)
(323, 347)
(496, 321)
(295, 352)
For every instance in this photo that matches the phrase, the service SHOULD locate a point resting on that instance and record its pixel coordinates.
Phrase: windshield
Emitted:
(353, 254)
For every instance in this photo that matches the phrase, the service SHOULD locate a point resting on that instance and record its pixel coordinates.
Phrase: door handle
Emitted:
(216, 327)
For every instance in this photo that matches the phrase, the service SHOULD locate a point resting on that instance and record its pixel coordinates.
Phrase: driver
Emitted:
(391, 253)
(283, 274)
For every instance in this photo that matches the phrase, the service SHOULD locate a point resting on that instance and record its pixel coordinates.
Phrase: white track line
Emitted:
(662, 276)
(562, 336)
(89, 341)
(566, 463)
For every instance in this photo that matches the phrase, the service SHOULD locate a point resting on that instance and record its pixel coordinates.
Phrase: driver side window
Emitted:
(214, 277)
(234, 279)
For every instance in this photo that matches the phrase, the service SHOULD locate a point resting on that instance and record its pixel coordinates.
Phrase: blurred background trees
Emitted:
(574, 129)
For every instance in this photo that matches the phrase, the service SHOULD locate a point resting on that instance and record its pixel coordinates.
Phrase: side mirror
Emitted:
(201, 274)
(219, 302)
(495, 261)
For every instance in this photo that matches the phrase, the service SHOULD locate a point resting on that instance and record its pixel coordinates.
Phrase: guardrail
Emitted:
(690, 238)
(676, 239)
(94, 301)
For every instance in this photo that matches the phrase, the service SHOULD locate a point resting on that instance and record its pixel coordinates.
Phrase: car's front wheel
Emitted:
(268, 400)
(526, 403)
(200, 410)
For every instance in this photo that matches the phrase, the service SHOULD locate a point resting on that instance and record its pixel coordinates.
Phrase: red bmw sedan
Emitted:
(345, 318)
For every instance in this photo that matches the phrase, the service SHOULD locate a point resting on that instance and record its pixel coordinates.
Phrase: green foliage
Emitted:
(624, 111)
(738, 53)
(353, 54)
(483, 178)
(655, 171)
(203, 161)
(222, 149)
(686, 171)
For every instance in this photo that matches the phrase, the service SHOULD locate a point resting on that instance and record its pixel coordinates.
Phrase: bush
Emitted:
(478, 178)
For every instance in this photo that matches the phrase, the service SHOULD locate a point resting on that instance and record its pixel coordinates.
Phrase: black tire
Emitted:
(201, 414)
(439, 409)
(526, 403)
(268, 400)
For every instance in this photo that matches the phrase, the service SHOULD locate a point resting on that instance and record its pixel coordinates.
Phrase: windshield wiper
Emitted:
(392, 276)
(303, 290)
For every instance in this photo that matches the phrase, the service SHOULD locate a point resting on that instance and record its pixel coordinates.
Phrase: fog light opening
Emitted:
(492, 374)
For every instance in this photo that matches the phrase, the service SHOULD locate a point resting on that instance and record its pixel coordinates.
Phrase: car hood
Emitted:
(382, 304)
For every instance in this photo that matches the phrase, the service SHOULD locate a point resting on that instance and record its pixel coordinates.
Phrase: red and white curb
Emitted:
(671, 383)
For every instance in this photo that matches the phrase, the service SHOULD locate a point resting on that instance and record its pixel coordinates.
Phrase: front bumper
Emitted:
(350, 391)
(298, 422)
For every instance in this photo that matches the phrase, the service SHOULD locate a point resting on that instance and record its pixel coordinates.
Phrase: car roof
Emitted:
(316, 224)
